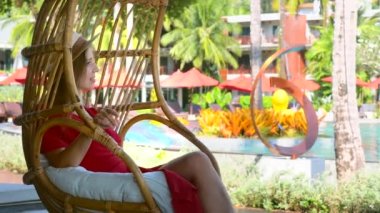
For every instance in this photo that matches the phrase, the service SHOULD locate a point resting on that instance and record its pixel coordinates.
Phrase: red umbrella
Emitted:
(17, 77)
(241, 83)
(115, 81)
(374, 84)
(305, 84)
(194, 78)
(172, 80)
(244, 84)
(359, 82)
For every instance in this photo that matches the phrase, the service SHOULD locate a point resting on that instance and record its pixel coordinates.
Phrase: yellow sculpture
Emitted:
(280, 100)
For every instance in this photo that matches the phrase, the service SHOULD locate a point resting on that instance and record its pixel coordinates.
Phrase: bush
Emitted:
(362, 194)
(284, 191)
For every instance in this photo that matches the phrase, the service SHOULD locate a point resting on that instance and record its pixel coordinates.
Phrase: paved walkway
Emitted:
(17, 197)
(9, 127)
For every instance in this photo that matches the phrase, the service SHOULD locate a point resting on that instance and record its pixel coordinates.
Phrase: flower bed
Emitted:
(224, 123)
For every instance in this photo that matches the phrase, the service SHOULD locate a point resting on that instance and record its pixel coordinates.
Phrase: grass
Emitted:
(12, 157)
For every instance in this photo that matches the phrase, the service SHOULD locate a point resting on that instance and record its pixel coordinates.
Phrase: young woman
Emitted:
(193, 182)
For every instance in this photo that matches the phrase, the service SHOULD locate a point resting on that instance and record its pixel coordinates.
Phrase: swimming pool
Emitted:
(157, 135)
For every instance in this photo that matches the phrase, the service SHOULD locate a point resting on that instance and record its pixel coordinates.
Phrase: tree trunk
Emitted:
(348, 146)
(281, 37)
(255, 55)
(325, 12)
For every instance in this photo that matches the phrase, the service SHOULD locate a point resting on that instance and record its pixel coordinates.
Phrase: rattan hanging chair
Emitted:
(125, 35)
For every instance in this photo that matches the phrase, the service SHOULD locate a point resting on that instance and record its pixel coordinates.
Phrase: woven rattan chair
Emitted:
(126, 36)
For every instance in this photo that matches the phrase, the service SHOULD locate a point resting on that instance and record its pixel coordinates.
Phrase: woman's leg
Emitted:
(197, 168)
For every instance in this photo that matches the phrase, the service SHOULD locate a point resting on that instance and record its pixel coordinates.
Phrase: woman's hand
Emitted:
(107, 118)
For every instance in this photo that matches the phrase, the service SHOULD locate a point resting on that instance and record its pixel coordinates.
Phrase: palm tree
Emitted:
(200, 36)
(349, 151)
(24, 15)
(325, 11)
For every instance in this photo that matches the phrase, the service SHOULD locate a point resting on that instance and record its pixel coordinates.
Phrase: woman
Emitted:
(193, 182)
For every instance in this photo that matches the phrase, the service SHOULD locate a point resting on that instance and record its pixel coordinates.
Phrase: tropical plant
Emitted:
(200, 37)
(319, 56)
(267, 102)
(245, 101)
(209, 121)
(368, 47)
(23, 14)
(214, 96)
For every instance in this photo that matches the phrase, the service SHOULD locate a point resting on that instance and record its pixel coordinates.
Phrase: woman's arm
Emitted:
(76, 151)
(71, 155)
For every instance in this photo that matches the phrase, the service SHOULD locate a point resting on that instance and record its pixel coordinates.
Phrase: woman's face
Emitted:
(87, 79)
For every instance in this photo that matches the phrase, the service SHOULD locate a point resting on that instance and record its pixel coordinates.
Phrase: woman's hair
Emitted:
(79, 48)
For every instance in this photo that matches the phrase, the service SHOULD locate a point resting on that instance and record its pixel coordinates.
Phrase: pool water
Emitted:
(157, 135)
(370, 135)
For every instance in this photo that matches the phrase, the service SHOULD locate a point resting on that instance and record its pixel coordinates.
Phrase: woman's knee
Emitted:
(199, 159)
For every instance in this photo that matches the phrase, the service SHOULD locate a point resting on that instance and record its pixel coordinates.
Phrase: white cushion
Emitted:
(80, 182)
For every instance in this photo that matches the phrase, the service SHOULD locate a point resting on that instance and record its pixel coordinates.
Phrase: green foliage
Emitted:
(5, 8)
(319, 56)
(11, 93)
(214, 96)
(320, 63)
(199, 100)
(199, 37)
(368, 45)
(10, 8)
(222, 98)
(293, 5)
(176, 7)
(286, 191)
(245, 101)
(267, 102)
(23, 15)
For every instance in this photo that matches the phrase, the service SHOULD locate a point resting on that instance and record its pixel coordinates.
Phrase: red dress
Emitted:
(184, 195)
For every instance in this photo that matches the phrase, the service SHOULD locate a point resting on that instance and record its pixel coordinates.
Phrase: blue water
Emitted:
(158, 135)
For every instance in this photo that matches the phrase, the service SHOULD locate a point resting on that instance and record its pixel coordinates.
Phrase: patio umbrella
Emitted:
(244, 84)
(194, 78)
(374, 84)
(17, 77)
(241, 83)
(172, 80)
(112, 80)
(359, 82)
(304, 84)
(190, 79)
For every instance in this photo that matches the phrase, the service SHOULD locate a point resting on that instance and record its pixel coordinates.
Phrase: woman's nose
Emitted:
(96, 68)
